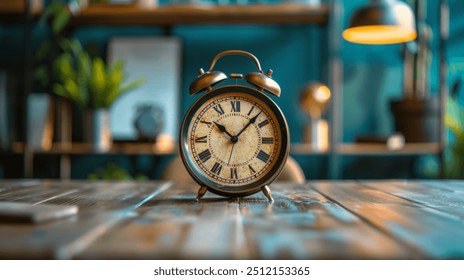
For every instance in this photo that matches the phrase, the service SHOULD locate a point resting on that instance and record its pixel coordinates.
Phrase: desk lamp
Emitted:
(381, 22)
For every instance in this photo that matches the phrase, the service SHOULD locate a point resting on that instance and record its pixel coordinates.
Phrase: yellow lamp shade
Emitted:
(382, 22)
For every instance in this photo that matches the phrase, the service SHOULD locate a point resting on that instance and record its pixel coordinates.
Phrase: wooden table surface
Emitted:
(317, 220)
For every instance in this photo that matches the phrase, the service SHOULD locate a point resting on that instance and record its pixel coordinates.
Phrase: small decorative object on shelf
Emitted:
(148, 122)
(391, 142)
(314, 101)
(147, 3)
(234, 140)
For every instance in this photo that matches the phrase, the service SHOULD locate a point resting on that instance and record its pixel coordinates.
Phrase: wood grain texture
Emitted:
(107, 195)
(301, 224)
(177, 14)
(417, 226)
(102, 206)
(317, 220)
(61, 239)
(15, 184)
(175, 226)
(444, 197)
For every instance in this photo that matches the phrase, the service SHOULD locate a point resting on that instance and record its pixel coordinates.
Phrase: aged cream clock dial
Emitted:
(234, 140)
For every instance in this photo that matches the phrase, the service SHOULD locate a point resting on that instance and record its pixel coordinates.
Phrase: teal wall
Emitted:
(293, 52)
(297, 54)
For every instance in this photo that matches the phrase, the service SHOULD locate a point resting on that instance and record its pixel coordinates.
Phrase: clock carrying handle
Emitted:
(263, 81)
(234, 52)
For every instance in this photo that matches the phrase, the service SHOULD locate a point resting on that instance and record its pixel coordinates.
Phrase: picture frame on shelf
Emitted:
(158, 62)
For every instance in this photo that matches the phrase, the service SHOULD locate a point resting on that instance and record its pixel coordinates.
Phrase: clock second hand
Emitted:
(231, 151)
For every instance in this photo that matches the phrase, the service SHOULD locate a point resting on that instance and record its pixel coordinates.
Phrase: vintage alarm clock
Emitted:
(234, 139)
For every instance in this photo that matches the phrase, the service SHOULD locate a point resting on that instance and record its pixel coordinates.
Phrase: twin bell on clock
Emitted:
(234, 139)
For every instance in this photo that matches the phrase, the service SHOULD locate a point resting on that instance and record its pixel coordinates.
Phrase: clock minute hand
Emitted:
(252, 120)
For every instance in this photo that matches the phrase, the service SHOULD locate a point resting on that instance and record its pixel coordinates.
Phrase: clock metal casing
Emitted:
(231, 189)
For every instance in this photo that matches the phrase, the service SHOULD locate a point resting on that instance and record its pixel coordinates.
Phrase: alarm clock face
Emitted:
(234, 140)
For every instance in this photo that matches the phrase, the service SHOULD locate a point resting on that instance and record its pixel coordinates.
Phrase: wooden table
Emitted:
(318, 220)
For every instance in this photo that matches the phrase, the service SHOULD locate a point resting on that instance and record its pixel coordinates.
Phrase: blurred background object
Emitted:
(381, 22)
(314, 100)
(148, 122)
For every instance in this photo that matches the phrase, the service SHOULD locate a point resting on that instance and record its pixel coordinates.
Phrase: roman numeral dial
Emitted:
(234, 139)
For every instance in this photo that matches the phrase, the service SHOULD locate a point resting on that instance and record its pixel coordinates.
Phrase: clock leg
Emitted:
(267, 193)
(201, 193)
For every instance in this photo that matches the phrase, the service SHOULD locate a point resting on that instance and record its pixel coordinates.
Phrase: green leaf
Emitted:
(64, 67)
(60, 90)
(49, 11)
(131, 85)
(84, 73)
(62, 18)
(42, 51)
(41, 75)
(73, 92)
(98, 83)
(454, 118)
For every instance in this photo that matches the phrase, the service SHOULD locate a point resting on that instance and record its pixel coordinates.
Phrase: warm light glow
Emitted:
(379, 34)
(315, 98)
(322, 94)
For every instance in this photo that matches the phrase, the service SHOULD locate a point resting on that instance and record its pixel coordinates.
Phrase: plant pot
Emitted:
(97, 131)
(417, 119)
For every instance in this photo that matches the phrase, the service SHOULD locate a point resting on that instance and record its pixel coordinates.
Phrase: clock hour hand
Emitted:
(223, 129)
(252, 120)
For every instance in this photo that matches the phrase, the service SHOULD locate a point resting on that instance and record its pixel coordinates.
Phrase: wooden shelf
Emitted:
(13, 7)
(85, 149)
(168, 15)
(11, 11)
(381, 149)
(370, 149)
(305, 149)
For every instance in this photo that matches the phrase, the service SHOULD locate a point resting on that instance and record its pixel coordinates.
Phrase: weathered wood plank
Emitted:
(42, 192)
(107, 195)
(440, 198)
(7, 184)
(322, 220)
(302, 224)
(61, 239)
(295, 226)
(415, 225)
(457, 186)
(175, 226)
(103, 205)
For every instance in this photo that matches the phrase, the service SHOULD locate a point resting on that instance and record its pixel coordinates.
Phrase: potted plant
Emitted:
(93, 86)
(417, 115)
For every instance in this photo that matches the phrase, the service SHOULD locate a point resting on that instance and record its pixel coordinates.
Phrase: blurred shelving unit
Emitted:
(326, 15)
(170, 15)
(165, 16)
(355, 149)
(17, 10)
